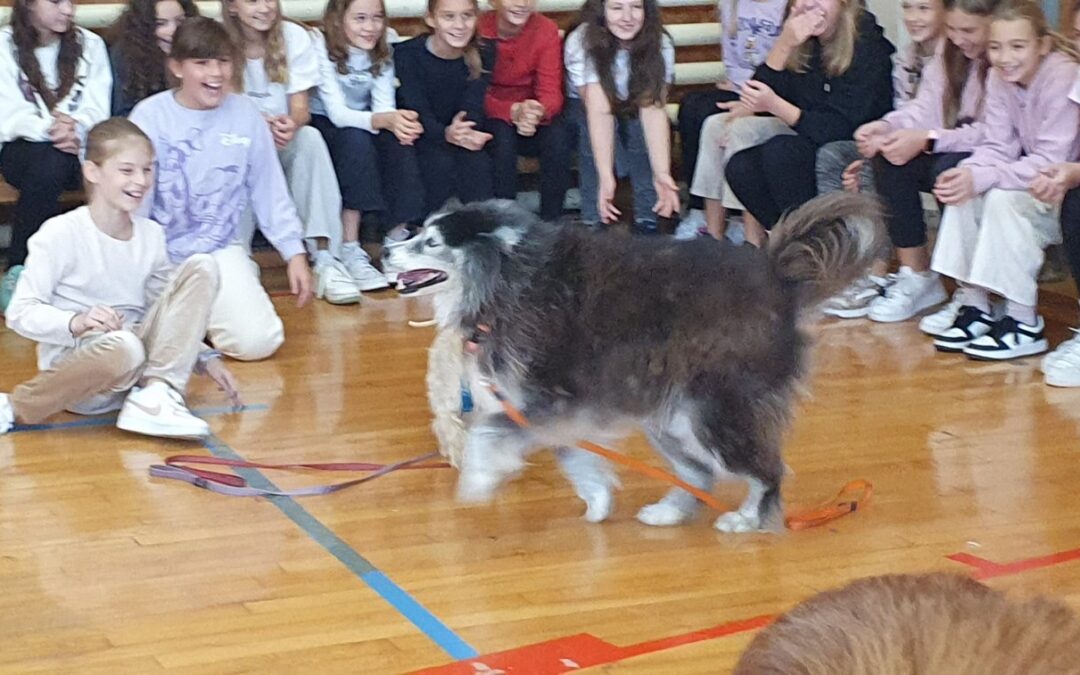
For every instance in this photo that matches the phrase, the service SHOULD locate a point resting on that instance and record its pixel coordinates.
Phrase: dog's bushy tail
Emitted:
(827, 243)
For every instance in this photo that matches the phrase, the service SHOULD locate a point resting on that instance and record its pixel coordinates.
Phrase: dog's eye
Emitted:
(431, 243)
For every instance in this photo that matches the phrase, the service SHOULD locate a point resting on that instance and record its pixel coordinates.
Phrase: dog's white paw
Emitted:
(662, 514)
(598, 502)
(735, 521)
(476, 487)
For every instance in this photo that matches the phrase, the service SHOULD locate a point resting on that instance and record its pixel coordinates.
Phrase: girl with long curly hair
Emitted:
(282, 66)
(370, 139)
(619, 64)
(141, 39)
(444, 77)
(54, 86)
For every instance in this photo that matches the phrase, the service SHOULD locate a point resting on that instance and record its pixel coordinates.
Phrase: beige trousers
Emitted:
(722, 137)
(95, 375)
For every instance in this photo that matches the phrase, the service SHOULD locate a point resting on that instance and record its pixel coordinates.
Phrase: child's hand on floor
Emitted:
(300, 282)
(99, 318)
(226, 382)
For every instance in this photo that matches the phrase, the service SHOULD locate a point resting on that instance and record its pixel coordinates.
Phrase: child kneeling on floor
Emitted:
(117, 324)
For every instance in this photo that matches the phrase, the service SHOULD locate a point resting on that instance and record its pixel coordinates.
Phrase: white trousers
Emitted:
(722, 137)
(313, 186)
(243, 322)
(996, 242)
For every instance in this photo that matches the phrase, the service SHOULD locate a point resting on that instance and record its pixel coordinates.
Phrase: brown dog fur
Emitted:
(918, 625)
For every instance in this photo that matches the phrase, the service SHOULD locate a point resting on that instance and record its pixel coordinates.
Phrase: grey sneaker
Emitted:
(855, 300)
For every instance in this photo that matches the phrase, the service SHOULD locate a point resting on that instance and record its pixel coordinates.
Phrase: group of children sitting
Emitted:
(319, 137)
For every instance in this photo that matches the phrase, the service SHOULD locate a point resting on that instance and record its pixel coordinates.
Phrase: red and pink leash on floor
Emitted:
(852, 497)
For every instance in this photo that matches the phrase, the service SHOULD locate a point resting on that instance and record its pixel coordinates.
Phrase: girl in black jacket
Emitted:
(829, 72)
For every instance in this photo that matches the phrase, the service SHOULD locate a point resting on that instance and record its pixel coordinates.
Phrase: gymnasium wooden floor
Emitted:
(105, 570)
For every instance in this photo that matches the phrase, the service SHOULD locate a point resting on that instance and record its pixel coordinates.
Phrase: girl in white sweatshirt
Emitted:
(54, 85)
(117, 324)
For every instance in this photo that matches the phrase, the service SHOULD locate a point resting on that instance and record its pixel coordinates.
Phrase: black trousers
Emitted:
(694, 108)
(899, 188)
(1070, 230)
(452, 171)
(377, 174)
(551, 144)
(40, 173)
(774, 177)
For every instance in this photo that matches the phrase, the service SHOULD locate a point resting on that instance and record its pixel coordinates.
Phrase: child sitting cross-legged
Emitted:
(117, 324)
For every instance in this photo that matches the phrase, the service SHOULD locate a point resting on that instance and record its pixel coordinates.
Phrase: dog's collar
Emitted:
(480, 332)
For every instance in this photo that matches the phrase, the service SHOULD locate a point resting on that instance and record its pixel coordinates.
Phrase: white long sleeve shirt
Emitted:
(23, 113)
(350, 99)
(72, 266)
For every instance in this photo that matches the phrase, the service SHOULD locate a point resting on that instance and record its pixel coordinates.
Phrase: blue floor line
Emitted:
(397, 597)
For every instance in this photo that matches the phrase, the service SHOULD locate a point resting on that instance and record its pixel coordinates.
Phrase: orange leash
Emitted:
(846, 501)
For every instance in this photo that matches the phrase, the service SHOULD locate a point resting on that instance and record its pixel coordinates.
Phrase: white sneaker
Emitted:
(358, 264)
(690, 226)
(910, 293)
(1009, 339)
(854, 301)
(1061, 367)
(159, 410)
(971, 323)
(334, 284)
(389, 270)
(7, 414)
(942, 320)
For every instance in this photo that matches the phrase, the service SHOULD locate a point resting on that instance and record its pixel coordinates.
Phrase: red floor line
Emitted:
(567, 654)
(987, 569)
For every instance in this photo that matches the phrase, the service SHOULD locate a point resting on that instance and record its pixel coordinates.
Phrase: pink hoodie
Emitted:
(1027, 129)
(927, 109)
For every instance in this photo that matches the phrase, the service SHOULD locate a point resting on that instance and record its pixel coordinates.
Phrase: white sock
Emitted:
(1025, 314)
(323, 257)
(977, 297)
(350, 246)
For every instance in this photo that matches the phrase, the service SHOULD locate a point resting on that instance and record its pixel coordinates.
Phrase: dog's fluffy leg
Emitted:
(494, 451)
(748, 517)
(593, 480)
(446, 366)
(678, 505)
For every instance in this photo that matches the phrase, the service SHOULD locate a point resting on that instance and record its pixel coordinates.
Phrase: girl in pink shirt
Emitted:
(993, 231)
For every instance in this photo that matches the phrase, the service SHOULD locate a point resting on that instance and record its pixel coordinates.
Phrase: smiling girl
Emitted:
(215, 159)
(829, 72)
(281, 67)
(993, 231)
(370, 140)
(117, 325)
(54, 86)
(908, 149)
(619, 65)
(142, 38)
(444, 76)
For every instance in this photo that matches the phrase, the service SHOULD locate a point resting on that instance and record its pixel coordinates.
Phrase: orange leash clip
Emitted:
(836, 507)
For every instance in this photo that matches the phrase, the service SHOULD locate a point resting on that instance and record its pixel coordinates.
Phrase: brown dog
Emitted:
(934, 624)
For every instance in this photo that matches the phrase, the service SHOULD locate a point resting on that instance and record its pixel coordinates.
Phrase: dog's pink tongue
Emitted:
(413, 277)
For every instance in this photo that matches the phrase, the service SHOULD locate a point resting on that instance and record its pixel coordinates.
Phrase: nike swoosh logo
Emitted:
(154, 412)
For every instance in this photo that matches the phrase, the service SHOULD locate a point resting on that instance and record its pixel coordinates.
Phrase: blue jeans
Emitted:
(631, 159)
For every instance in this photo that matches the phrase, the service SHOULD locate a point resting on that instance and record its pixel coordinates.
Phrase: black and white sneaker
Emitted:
(971, 323)
(1009, 339)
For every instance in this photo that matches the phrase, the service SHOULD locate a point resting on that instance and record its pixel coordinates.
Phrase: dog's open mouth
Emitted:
(414, 280)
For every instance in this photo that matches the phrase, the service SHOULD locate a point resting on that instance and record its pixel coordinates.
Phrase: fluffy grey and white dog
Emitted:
(592, 335)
